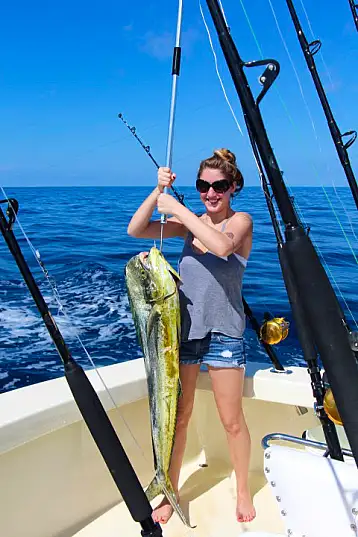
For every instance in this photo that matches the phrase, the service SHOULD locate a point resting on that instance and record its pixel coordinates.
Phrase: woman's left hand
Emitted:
(166, 204)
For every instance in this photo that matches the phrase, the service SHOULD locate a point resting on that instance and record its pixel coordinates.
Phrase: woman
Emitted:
(217, 246)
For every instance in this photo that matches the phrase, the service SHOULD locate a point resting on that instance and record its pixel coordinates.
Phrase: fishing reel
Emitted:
(274, 330)
(11, 211)
(329, 403)
(330, 407)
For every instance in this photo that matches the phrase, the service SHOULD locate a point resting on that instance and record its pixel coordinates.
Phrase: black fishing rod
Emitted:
(133, 130)
(314, 300)
(85, 396)
(303, 329)
(354, 9)
(278, 367)
(309, 50)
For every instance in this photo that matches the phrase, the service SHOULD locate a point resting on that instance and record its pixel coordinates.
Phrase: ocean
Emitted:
(81, 236)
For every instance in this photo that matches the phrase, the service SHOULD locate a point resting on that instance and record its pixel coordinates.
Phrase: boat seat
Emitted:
(316, 496)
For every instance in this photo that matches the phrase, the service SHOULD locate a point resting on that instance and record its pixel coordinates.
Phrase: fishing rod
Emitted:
(175, 76)
(304, 333)
(84, 394)
(278, 367)
(180, 197)
(315, 307)
(354, 9)
(309, 50)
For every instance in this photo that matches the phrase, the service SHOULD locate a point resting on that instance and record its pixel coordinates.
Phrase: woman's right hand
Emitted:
(165, 178)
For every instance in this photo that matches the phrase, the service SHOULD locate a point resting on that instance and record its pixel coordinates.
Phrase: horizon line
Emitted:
(151, 186)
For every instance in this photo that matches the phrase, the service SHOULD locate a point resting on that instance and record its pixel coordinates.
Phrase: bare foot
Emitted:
(163, 512)
(245, 510)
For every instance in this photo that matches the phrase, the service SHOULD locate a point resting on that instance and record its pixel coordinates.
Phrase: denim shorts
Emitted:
(215, 350)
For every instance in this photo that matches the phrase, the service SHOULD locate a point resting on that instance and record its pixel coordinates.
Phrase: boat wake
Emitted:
(96, 306)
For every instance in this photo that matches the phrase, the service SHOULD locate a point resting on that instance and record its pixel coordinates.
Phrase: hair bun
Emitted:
(225, 154)
(225, 161)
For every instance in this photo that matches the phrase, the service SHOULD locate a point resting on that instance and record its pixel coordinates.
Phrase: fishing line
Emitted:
(180, 197)
(295, 70)
(310, 116)
(309, 113)
(277, 90)
(297, 78)
(320, 51)
(324, 262)
(297, 132)
(218, 72)
(122, 138)
(61, 309)
(301, 214)
(233, 114)
(347, 214)
(223, 12)
(339, 222)
(332, 87)
(316, 172)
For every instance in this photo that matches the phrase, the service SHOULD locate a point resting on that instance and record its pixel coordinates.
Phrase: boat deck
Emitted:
(52, 472)
(208, 501)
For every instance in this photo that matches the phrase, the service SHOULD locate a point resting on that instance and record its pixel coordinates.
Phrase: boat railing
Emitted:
(266, 441)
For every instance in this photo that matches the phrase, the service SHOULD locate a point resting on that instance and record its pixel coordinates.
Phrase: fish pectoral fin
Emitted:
(153, 490)
(174, 273)
(152, 319)
(168, 491)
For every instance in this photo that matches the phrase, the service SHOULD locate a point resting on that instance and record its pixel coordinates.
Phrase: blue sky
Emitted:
(68, 69)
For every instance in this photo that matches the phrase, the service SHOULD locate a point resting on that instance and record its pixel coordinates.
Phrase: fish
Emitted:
(152, 286)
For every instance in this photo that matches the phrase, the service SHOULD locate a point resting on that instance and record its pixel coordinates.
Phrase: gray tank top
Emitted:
(210, 295)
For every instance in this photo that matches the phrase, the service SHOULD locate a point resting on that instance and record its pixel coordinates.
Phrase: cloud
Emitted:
(157, 46)
(127, 27)
(190, 38)
(160, 46)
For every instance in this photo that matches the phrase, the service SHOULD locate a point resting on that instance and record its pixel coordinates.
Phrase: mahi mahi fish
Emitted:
(154, 300)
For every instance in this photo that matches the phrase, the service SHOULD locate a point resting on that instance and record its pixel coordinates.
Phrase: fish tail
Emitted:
(167, 489)
(163, 486)
(154, 489)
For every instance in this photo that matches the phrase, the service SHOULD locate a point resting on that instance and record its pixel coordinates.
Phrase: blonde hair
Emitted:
(225, 161)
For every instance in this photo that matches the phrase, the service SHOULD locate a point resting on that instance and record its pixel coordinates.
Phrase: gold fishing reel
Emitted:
(330, 407)
(274, 330)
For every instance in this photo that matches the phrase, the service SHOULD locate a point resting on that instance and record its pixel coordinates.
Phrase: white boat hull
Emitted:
(55, 483)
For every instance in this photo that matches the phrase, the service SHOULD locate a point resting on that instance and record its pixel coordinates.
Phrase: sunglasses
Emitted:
(220, 186)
